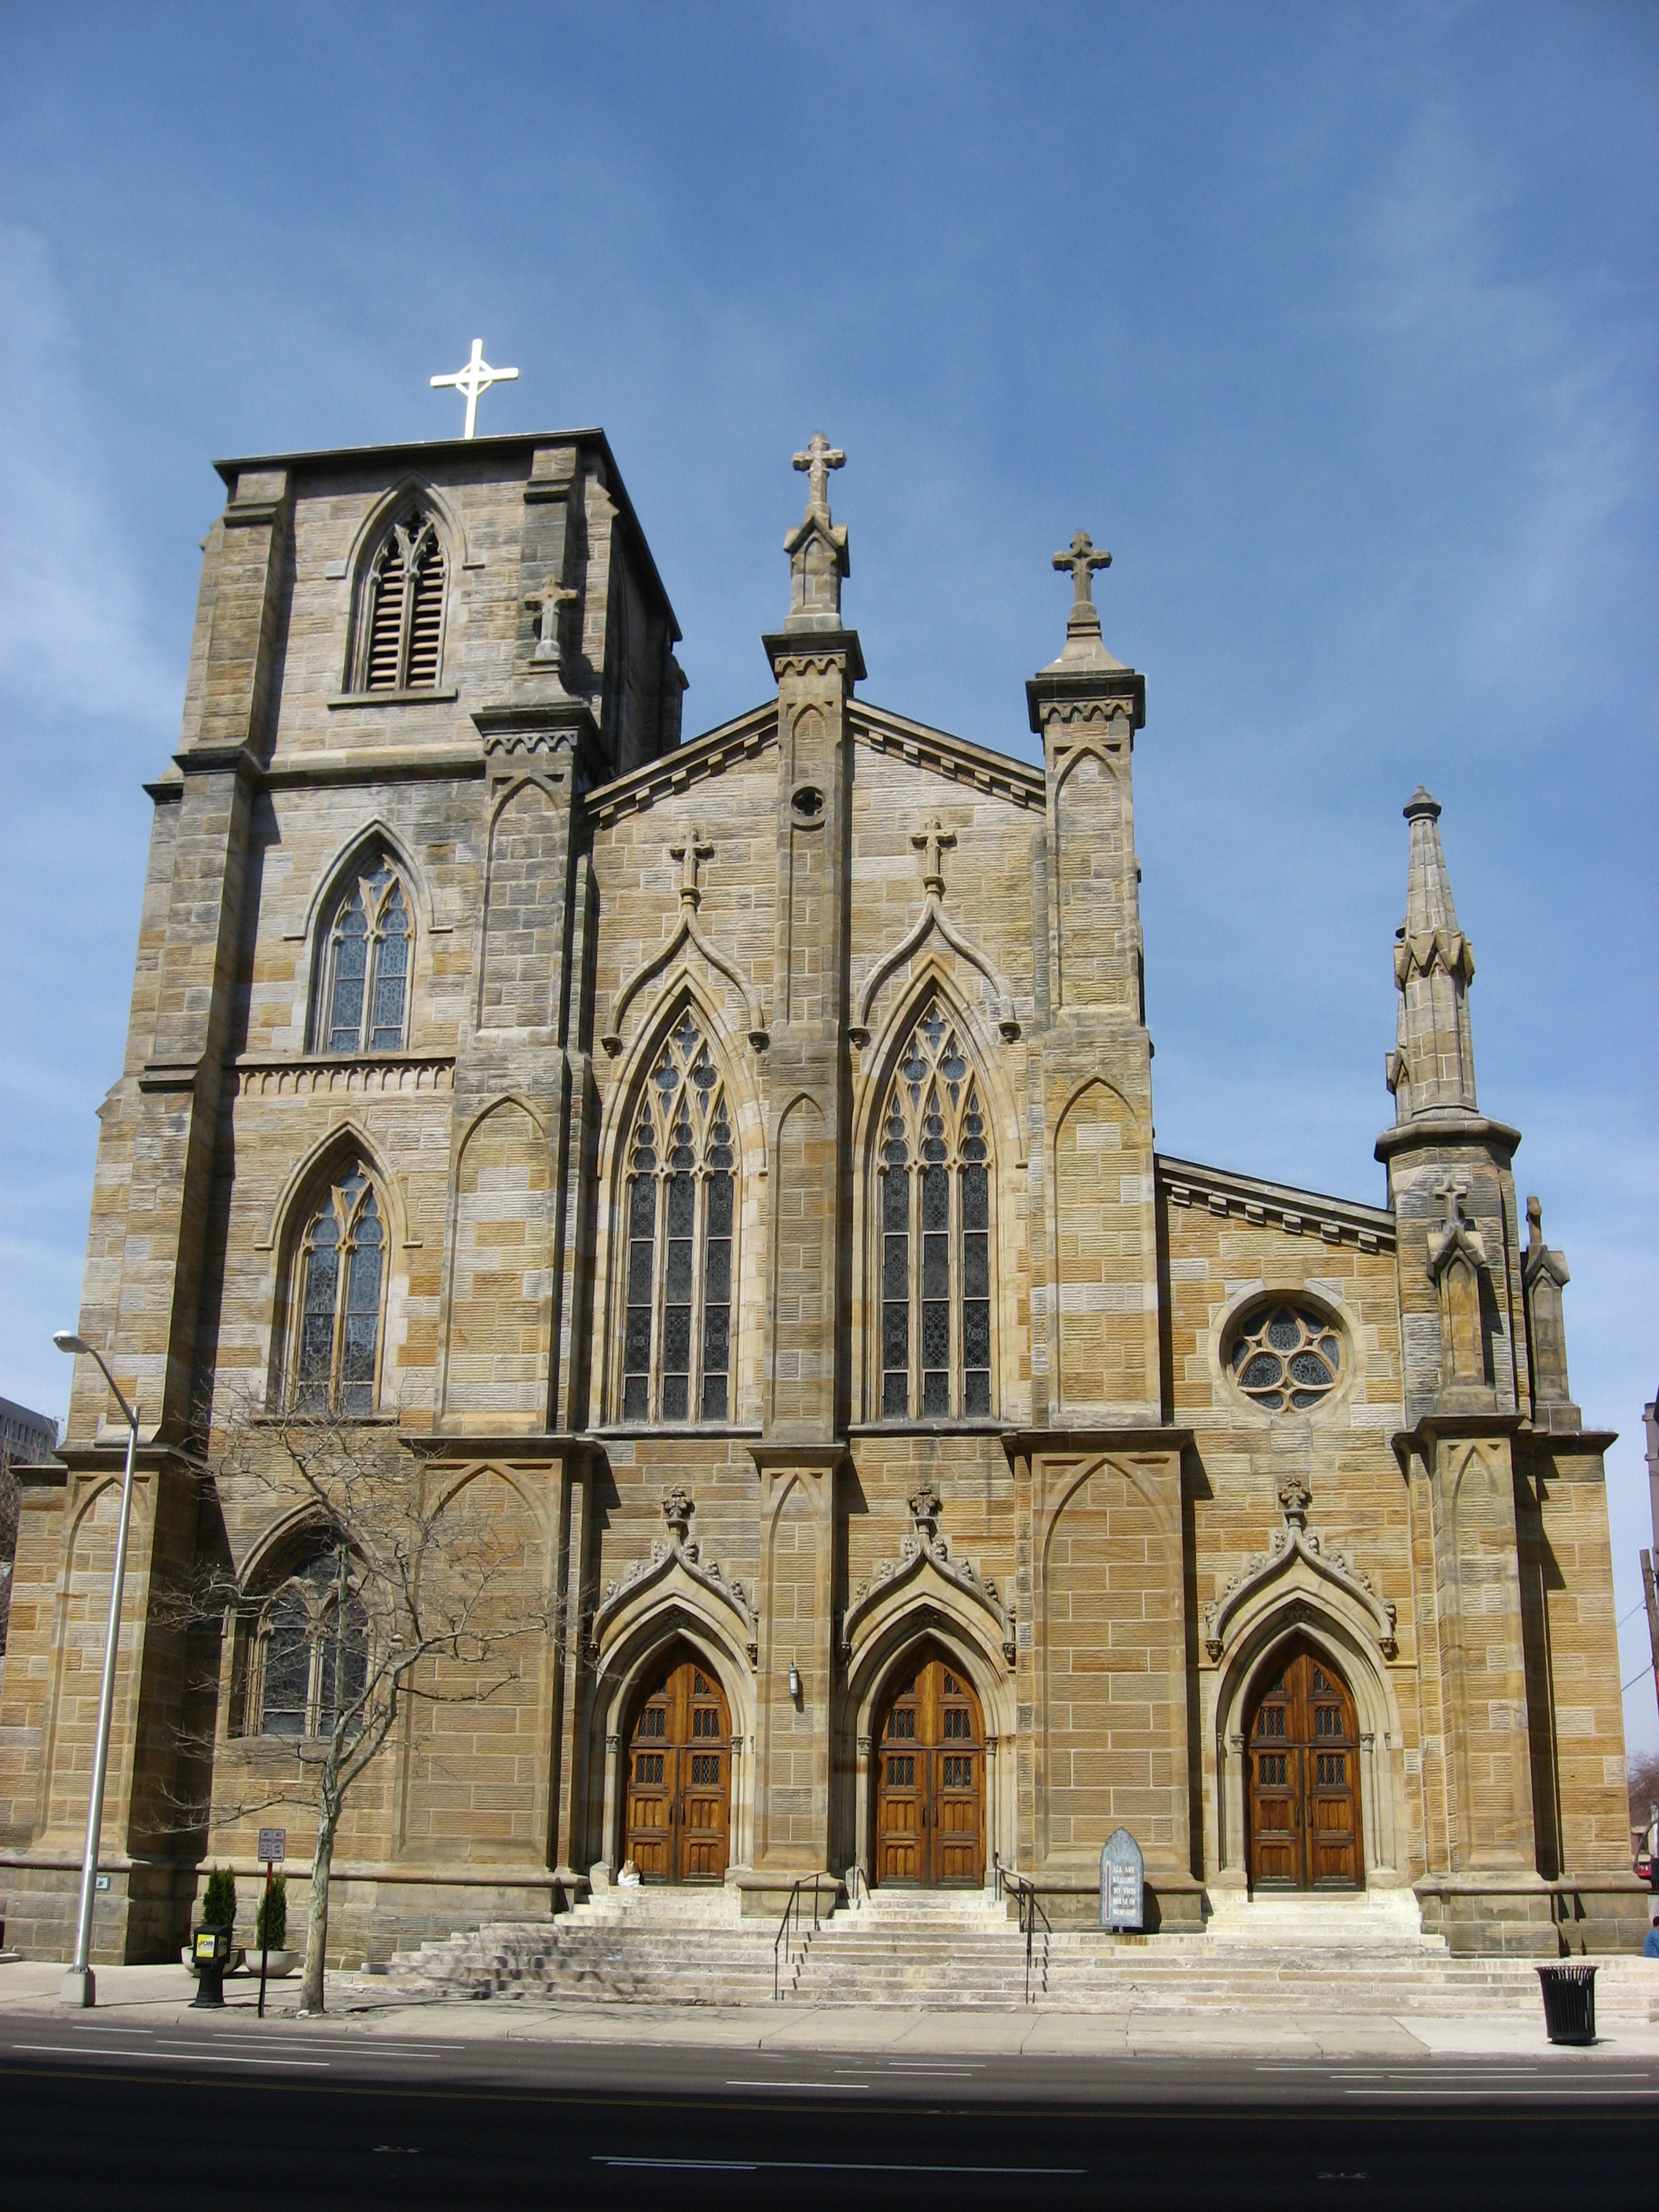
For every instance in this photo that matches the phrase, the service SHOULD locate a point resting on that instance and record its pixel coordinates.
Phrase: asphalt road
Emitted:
(231, 2113)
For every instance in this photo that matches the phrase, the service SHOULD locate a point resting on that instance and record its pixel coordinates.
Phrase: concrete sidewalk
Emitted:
(372, 2006)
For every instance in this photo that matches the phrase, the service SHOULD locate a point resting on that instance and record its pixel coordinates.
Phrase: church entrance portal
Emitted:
(680, 1775)
(930, 1777)
(1305, 1781)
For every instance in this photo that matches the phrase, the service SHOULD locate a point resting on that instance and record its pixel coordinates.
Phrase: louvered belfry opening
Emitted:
(403, 646)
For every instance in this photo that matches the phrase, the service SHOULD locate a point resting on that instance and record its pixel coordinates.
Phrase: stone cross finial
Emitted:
(544, 602)
(817, 461)
(1449, 1193)
(1082, 561)
(691, 848)
(934, 841)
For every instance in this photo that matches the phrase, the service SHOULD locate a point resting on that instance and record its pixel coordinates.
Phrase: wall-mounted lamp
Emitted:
(794, 1683)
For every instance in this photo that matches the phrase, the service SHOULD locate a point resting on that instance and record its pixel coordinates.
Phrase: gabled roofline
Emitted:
(689, 762)
(1298, 1212)
(426, 451)
(957, 759)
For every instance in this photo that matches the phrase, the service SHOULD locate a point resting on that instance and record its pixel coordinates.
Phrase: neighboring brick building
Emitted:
(739, 1155)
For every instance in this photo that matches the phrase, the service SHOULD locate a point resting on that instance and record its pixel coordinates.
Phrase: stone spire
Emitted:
(1431, 1070)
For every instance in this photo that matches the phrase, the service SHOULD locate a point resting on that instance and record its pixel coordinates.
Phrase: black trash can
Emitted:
(1569, 2003)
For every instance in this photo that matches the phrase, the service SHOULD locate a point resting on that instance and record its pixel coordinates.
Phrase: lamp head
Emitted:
(67, 1341)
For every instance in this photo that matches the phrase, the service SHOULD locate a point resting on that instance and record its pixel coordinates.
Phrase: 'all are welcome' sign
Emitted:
(1122, 1885)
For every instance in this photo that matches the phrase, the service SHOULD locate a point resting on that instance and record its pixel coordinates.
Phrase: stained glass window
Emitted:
(680, 1218)
(402, 643)
(1285, 1357)
(310, 1659)
(934, 1232)
(340, 1274)
(365, 972)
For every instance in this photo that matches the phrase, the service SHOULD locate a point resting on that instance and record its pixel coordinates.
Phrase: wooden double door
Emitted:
(929, 1758)
(1303, 1752)
(680, 1775)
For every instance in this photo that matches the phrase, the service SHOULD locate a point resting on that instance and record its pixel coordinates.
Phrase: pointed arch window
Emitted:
(309, 1659)
(934, 1231)
(400, 641)
(364, 1004)
(680, 1214)
(338, 1294)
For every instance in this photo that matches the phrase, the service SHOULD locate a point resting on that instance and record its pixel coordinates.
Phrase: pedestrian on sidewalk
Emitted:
(1650, 1942)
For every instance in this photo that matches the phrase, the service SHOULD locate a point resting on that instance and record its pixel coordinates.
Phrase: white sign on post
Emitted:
(273, 1845)
(1122, 1900)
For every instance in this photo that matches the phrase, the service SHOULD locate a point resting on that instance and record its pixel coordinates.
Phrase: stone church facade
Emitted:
(733, 1159)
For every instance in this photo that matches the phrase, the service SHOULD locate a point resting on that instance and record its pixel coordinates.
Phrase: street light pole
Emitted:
(80, 1985)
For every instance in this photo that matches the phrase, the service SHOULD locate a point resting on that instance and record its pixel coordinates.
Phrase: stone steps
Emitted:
(962, 1952)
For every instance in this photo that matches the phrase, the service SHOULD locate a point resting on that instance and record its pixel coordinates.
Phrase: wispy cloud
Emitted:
(70, 632)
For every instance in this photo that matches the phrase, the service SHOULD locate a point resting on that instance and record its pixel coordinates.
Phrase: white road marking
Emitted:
(120, 2051)
(823, 2166)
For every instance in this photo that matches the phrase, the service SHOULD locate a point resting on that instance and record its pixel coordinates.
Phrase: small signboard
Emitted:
(273, 1845)
(1122, 1888)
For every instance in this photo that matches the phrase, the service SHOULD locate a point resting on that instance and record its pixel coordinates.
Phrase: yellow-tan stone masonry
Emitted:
(774, 1251)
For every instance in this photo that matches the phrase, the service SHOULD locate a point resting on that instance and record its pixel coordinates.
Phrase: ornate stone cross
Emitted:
(934, 841)
(1082, 561)
(817, 461)
(473, 380)
(688, 853)
(545, 602)
(1453, 1188)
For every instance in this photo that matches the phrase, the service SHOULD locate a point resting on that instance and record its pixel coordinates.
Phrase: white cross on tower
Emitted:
(476, 377)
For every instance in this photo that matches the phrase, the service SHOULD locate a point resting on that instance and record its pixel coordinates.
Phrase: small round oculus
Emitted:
(1285, 1358)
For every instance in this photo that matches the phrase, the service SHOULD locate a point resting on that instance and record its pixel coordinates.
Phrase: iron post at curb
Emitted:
(80, 1985)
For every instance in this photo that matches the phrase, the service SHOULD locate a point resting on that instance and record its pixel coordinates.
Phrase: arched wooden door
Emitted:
(929, 1756)
(680, 1775)
(1303, 1750)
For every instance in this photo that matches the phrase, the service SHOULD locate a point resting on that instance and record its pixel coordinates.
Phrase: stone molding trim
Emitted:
(1449, 950)
(1298, 1213)
(954, 758)
(925, 1555)
(688, 934)
(932, 918)
(674, 1558)
(1295, 1541)
(375, 1075)
(709, 754)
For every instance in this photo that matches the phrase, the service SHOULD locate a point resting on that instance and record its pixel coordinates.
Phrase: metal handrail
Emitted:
(792, 1915)
(1031, 1906)
(856, 1881)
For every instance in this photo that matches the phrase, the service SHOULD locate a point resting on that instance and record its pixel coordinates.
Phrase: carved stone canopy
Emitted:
(1293, 1543)
(677, 1554)
(924, 1552)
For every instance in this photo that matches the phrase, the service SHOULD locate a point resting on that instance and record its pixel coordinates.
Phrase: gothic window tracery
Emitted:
(338, 1278)
(934, 1231)
(309, 1656)
(1285, 1357)
(400, 641)
(364, 1001)
(680, 1216)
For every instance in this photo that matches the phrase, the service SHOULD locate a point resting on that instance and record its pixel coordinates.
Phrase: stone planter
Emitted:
(281, 1963)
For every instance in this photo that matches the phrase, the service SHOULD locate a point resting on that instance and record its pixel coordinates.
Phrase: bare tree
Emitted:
(424, 1597)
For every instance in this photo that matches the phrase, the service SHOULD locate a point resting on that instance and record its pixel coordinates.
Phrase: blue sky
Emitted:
(1336, 324)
